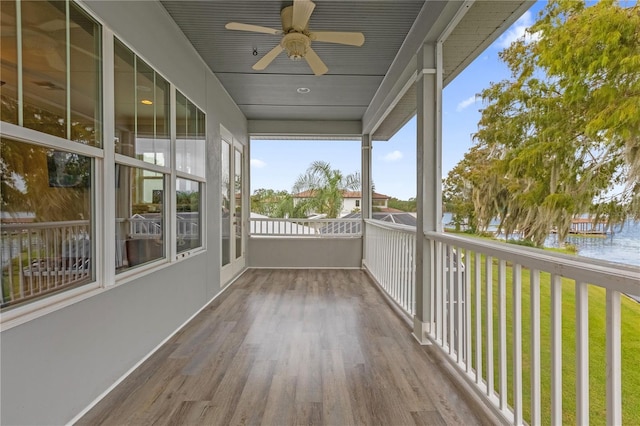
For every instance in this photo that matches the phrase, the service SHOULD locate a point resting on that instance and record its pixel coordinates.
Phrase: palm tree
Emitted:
(326, 187)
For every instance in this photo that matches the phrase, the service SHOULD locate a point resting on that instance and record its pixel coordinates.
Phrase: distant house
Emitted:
(351, 201)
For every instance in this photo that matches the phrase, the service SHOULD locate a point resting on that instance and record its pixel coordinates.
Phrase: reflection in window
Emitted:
(47, 232)
(190, 134)
(141, 109)
(9, 63)
(50, 106)
(188, 214)
(140, 216)
(238, 202)
(225, 202)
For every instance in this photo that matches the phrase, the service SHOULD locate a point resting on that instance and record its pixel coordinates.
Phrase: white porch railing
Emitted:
(497, 313)
(510, 290)
(320, 228)
(389, 255)
(39, 258)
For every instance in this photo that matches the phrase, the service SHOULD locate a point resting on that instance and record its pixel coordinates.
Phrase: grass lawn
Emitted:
(597, 347)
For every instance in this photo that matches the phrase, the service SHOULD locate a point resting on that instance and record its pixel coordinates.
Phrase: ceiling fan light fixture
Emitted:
(296, 45)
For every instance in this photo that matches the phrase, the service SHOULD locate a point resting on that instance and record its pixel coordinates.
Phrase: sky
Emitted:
(277, 164)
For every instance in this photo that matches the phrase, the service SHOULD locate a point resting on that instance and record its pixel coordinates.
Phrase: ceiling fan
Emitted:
(297, 38)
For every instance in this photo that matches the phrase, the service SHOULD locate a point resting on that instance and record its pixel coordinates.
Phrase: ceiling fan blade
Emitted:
(253, 28)
(268, 58)
(302, 10)
(352, 39)
(317, 66)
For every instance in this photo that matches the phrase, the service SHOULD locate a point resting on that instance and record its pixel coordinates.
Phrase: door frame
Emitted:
(236, 264)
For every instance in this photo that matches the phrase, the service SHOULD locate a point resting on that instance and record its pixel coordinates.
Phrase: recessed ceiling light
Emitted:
(146, 102)
(303, 90)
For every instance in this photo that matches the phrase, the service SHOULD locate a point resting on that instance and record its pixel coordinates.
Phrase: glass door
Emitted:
(233, 230)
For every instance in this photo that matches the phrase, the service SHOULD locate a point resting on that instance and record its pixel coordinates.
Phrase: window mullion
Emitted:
(19, 60)
(106, 237)
(172, 204)
(68, 66)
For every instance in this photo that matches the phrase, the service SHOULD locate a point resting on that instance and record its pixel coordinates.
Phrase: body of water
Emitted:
(622, 245)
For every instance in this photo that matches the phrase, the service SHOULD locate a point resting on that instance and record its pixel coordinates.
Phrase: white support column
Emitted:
(429, 186)
(365, 188)
(365, 206)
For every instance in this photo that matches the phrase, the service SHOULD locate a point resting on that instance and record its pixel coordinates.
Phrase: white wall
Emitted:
(52, 367)
(300, 252)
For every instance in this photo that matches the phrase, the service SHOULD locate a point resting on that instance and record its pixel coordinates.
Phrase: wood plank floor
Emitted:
(289, 347)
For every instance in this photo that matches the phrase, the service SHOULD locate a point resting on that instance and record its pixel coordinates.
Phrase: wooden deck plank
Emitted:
(285, 347)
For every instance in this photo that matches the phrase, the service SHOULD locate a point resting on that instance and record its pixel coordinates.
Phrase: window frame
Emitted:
(38, 307)
(104, 161)
(176, 174)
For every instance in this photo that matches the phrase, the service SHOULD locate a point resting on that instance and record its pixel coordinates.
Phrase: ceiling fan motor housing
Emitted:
(296, 45)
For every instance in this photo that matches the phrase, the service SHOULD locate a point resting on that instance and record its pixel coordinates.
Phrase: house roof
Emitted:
(345, 194)
(403, 218)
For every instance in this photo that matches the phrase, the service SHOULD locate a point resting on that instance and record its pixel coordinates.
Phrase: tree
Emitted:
(562, 136)
(325, 187)
(272, 203)
(409, 205)
(458, 189)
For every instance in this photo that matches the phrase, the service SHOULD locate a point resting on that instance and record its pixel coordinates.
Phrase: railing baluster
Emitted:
(449, 299)
(502, 331)
(534, 277)
(489, 323)
(11, 291)
(556, 350)
(517, 344)
(478, 308)
(467, 311)
(433, 326)
(614, 366)
(459, 306)
(582, 354)
(20, 270)
(29, 262)
(437, 269)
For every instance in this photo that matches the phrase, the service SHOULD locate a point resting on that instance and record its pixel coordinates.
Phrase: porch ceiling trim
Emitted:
(305, 129)
(390, 110)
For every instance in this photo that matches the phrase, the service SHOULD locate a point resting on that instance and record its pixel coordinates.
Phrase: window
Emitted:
(143, 140)
(190, 137)
(47, 224)
(50, 57)
(357, 203)
(141, 109)
(140, 213)
(190, 169)
(225, 202)
(61, 87)
(188, 200)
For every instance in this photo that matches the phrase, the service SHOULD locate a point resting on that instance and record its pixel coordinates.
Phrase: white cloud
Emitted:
(518, 30)
(258, 164)
(393, 156)
(464, 104)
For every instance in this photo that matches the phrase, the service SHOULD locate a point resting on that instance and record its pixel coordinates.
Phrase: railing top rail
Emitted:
(392, 226)
(619, 277)
(41, 225)
(297, 220)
